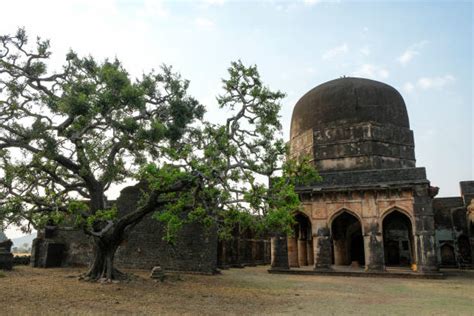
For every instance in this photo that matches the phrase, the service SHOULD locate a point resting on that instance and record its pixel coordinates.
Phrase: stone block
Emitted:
(6, 261)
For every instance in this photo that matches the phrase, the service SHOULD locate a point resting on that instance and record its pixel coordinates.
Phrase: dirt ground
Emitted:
(28, 291)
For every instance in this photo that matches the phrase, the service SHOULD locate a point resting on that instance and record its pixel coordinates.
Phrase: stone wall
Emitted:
(453, 230)
(195, 248)
(362, 146)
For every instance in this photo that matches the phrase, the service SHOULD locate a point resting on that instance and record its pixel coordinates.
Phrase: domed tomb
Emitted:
(353, 124)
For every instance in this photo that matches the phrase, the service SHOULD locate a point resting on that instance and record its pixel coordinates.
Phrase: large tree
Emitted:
(67, 137)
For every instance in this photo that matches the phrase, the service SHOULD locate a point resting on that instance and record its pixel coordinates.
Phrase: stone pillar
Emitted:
(268, 252)
(426, 258)
(302, 253)
(322, 249)
(373, 249)
(424, 233)
(279, 252)
(310, 252)
(293, 252)
(340, 252)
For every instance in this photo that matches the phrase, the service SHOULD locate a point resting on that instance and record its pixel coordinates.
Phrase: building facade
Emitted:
(374, 206)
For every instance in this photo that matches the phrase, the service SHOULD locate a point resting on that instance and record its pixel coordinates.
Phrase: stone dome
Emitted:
(348, 101)
(352, 124)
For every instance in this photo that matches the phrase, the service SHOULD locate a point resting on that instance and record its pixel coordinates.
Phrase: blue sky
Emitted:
(423, 49)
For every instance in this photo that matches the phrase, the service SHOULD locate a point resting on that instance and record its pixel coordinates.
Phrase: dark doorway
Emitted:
(348, 242)
(464, 249)
(397, 239)
(447, 255)
(300, 245)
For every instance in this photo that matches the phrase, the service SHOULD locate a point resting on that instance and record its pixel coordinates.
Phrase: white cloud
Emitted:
(365, 51)
(410, 53)
(214, 2)
(371, 71)
(408, 87)
(311, 2)
(435, 82)
(336, 51)
(310, 70)
(204, 23)
(153, 8)
(426, 83)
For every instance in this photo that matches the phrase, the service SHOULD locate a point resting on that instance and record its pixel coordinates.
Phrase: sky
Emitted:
(423, 49)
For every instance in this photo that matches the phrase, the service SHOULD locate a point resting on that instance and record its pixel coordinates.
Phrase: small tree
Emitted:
(67, 137)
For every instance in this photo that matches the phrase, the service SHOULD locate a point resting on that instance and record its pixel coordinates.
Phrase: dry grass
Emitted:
(28, 291)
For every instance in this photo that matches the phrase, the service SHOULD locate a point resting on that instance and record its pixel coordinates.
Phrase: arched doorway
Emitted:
(447, 255)
(397, 239)
(347, 240)
(300, 245)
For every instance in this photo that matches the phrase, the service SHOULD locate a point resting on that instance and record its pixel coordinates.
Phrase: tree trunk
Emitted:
(102, 267)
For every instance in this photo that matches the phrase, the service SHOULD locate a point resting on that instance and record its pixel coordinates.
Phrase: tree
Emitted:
(67, 137)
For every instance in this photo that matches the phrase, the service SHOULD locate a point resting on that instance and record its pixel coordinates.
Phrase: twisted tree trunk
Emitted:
(102, 267)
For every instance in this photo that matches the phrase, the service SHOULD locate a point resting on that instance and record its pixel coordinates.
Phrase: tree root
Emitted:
(117, 276)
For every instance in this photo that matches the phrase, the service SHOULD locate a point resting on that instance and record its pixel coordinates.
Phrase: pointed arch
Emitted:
(398, 240)
(344, 210)
(347, 238)
(396, 208)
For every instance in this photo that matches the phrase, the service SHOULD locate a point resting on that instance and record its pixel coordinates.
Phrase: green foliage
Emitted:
(69, 135)
(101, 216)
(230, 166)
(66, 137)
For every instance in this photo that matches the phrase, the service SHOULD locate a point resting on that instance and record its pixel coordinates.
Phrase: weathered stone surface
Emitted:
(6, 257)
(356, 124)
(47, 253)
(357, 134)
(322, 249)
(279, 252)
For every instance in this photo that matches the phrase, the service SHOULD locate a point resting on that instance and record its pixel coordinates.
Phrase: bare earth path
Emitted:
(28, 291)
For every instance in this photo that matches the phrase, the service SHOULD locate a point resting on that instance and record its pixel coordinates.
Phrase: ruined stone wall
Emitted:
(195, 247)
(452, 231)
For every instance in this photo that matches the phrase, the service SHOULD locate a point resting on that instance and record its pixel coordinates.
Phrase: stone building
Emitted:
(196, 249)
(454, 227)
(374, 206)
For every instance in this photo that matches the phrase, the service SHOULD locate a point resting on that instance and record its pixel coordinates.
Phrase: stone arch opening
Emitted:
(300, 244)
(397, 239)
(347, 240)
(448, 258)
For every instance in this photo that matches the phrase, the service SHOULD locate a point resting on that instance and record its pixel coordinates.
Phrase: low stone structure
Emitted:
(194, 250)
(245, 248)
(454, 228)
